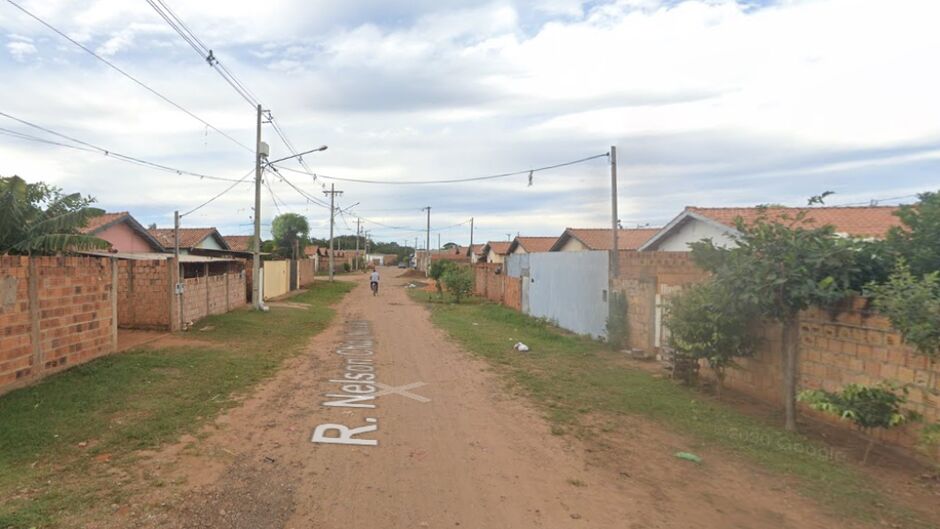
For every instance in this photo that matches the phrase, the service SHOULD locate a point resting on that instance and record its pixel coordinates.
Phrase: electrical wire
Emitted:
(107, 152)
(455, 180)
(227, 189)
(129, 76)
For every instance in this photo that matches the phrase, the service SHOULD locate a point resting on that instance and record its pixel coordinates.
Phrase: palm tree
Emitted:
(37, 218)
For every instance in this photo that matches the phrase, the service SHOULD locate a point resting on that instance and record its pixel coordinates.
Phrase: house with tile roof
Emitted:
(718, 224)
(123, 232)
(191, 239)
(587, 239)
(522, 245)
(475, 253)
(238, 243)
(495, 251)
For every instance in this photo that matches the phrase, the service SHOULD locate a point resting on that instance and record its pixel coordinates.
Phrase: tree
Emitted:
(40, 219)
(781, 266)
(867, 407)
(289, 229)
(707, 321)
(459, 281)
(437, 271)
(917, 242)
(913, 306)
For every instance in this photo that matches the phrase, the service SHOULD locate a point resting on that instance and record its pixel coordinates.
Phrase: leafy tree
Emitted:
(869, 408)
(913, 306)
(780, 266)
(917, 241)
(458, 280)
(438, 269)
(708, 321)
(288, 229)
(40, 219)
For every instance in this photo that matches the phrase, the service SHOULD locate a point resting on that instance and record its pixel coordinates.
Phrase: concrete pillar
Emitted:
(33, 292)
(114, 304)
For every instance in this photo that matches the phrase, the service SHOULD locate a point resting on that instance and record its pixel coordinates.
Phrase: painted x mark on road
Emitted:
(401, 390)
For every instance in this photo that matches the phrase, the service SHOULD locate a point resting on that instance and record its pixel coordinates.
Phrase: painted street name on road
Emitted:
(357, 388)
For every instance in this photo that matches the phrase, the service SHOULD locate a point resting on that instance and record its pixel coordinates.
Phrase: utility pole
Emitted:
(438, 242)
(256, 251)
(615, 257)
(332, 192)
(176, 273)
(471, 235)
(416, 252)
(427, 244)
(357, 243)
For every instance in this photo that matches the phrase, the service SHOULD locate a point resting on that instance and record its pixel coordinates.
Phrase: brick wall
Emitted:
(306, 268)
(144, 289)
(55, 312)
(854, 345)
(498, 288)
(648, 277)
(216, 293)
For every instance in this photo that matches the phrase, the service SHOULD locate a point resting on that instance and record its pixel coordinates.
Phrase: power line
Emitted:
(129, 76)
(107, 152)
(202, 50)
(229, 188)
(529, 172)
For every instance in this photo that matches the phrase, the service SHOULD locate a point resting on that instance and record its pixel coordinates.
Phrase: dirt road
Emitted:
(450, 448)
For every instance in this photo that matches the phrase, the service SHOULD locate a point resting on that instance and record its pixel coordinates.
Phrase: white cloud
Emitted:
(21, 50)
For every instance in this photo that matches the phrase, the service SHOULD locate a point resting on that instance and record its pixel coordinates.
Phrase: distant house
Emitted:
(495, 251)
(123, 232)
(475, 253)
(586, 239)
(191, 239)
(521, 245)
(718, 224)
(239, 243)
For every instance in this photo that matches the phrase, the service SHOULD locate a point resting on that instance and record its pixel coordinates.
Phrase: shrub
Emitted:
(707, 321)
(459, 281)
(913, 306)
(437, 271)
(618, 329)
(868, 407)
(346, 267)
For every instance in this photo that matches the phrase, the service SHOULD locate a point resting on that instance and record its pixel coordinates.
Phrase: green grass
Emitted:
(137, 400)
(572, 377)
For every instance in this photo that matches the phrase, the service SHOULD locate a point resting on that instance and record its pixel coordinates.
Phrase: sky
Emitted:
(709, 103)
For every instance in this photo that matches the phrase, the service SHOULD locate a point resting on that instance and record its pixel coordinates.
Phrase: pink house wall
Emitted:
(124, 239)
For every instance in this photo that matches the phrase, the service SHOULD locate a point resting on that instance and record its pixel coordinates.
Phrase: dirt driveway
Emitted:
(445, 445)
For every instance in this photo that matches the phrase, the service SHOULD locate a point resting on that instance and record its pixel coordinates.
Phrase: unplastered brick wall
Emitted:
(213, 294)
(306, 268)
(144, 293)
(55, 312)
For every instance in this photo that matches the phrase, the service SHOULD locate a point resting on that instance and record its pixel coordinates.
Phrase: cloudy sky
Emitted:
(709, 102)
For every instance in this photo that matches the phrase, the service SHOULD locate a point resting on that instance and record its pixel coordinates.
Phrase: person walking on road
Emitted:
(374, 282)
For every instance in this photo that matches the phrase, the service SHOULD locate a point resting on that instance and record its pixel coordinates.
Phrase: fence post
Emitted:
(114, 304)
(33, 288)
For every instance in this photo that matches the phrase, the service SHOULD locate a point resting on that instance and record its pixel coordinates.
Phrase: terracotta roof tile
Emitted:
(96, 223)
(600, 239)
(536, 244)
(189, 237)
(500, 247)
(867, 221)
(238, 243)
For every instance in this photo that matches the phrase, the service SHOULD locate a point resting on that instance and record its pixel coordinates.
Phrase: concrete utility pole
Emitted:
(416, 253)
(332, 192)
(256, 251)
(357, 243)
(615, 228)
(427, 244)
(176, 259)
(438, 242)
(471, 239)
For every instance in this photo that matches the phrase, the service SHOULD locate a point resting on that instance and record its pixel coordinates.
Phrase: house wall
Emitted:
(694, 230)
(210, 243)
(144, 289)
(276, 279)
(573, 245)
(123, 238)
(495, 258)
(55, 312)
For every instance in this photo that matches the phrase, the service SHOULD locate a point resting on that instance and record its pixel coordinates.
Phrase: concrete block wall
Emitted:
(55, 312)
(144, 294)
